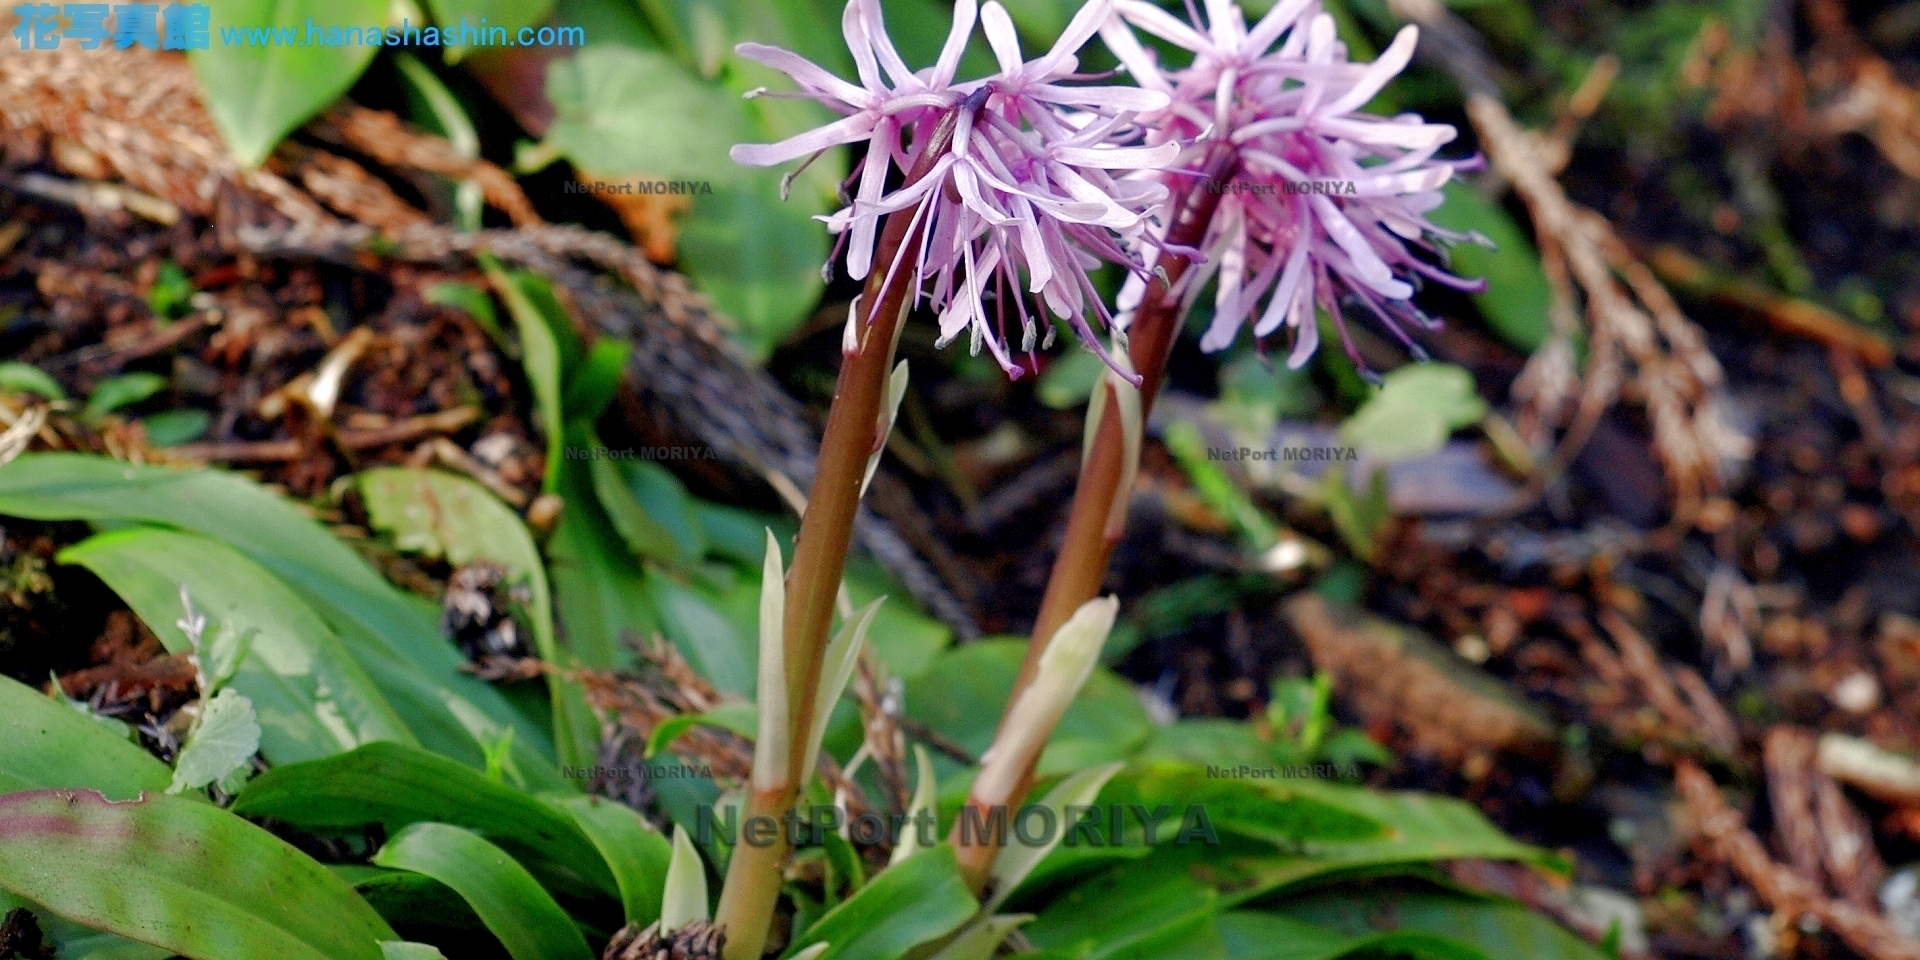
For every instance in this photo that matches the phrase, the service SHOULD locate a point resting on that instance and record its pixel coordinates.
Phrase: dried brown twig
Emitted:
(1825, 838)
(1862, 94)
(1788, 893)
(381, 136)
(1684, 711)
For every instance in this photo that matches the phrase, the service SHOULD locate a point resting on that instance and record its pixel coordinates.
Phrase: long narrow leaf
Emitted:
(44, 745)
(446, 515)
(314, 699)
(396, 786)
(394, 636)
(182, 875)
(915, 901)
(509, 901)
(637, 854)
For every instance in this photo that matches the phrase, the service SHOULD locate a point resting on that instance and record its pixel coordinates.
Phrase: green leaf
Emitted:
(1266, 936)
(720, 648)
(1208, 741)
(423, 906)
(683, 897)
(1422, 827)
(408, 950)
(637, 854)
(124, 390)
(261, 636)
(1017, 860)
(592, 383)
(981, 940)
(650, 509)
(963, 694)
(182, 875)
(1189, 447)
(45, 744)
(623, 111)
(172, 292)
(435, 108)
(1130, 912)
(757, 256)
(314, 699)
(741, 535)
(509, 901)
(257, 94)
(910, 903)
(488, 15)
(398, 786)
(441, 514)
(171, 428)
(599, 588)
(1480, 927)
(71, 941)
(1070, 379)
(1282, 813)
(620, 111)
(541, 353)
(903, 637)
(740, 718)
(1415, 410)
(1518, 296)
(474, 302)
(224, 739)
(394, 637)
(27, 378)
(1359, 517)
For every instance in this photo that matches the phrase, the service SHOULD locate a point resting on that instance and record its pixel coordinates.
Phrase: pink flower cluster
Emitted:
(1023, 199)
(1045, 175)
(1328, 204)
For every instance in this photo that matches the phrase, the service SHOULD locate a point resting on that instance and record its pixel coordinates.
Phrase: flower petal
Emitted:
(883, 45)
(1060, 60)
(1384, 69)
(1121, 99)
(1374, 132)
(1162, 24)
(1368, 267)
(964, 14)
(1143, 66)
(1001, 37)
(1121, 158)
(1280, 308)
(1283, 16)
(847, 130)
(853, 23)
(810, 76)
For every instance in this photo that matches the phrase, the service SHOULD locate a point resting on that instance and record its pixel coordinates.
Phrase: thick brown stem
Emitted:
(1085, 550)
(752, 890)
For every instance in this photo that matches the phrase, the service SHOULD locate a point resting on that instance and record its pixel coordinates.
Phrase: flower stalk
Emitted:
(1106, 476)
(853, 434)
(1089, 541)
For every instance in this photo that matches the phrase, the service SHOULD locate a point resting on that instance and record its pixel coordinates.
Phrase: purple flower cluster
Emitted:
(1018, 204)
(1045, 175)
(1328, 204)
